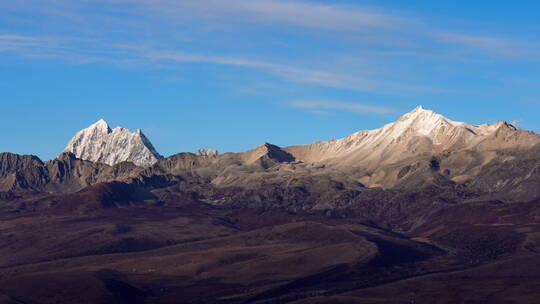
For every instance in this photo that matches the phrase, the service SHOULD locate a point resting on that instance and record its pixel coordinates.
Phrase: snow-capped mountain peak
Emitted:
(418, 131)
(425, 123)
(100, 143)
(100, 126)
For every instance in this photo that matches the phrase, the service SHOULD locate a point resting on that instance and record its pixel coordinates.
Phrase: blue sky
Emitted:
(231, 74)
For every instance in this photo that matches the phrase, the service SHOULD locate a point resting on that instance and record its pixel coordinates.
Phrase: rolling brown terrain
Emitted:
(422, 210)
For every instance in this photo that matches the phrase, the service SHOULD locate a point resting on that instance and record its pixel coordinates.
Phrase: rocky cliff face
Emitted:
(11, 163)
(64, 174)
(100, 143)
(19, 172)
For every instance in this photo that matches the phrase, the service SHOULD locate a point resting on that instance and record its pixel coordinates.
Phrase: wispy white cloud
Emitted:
(118, 34)
(81, 51)
(366, 24)
(12, 41)
(490, 45)
(26, 46)
(323, 106)
(65, 49)
(295, 74)
(283, 13)
(15, 38)
(292, 73)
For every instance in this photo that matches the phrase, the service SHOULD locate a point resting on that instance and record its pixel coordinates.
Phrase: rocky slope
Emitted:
(98, 143)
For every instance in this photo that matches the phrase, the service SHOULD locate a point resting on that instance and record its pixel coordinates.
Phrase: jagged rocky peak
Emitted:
(11, 163)
(100, 143)
(266, 151)
(207, 152)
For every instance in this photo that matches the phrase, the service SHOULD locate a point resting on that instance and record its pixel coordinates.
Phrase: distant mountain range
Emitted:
(421, 148)
(421, 210)
(418, 132)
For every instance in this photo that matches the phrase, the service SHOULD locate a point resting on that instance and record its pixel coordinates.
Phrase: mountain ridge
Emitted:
(397, 155)
(442, 132)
